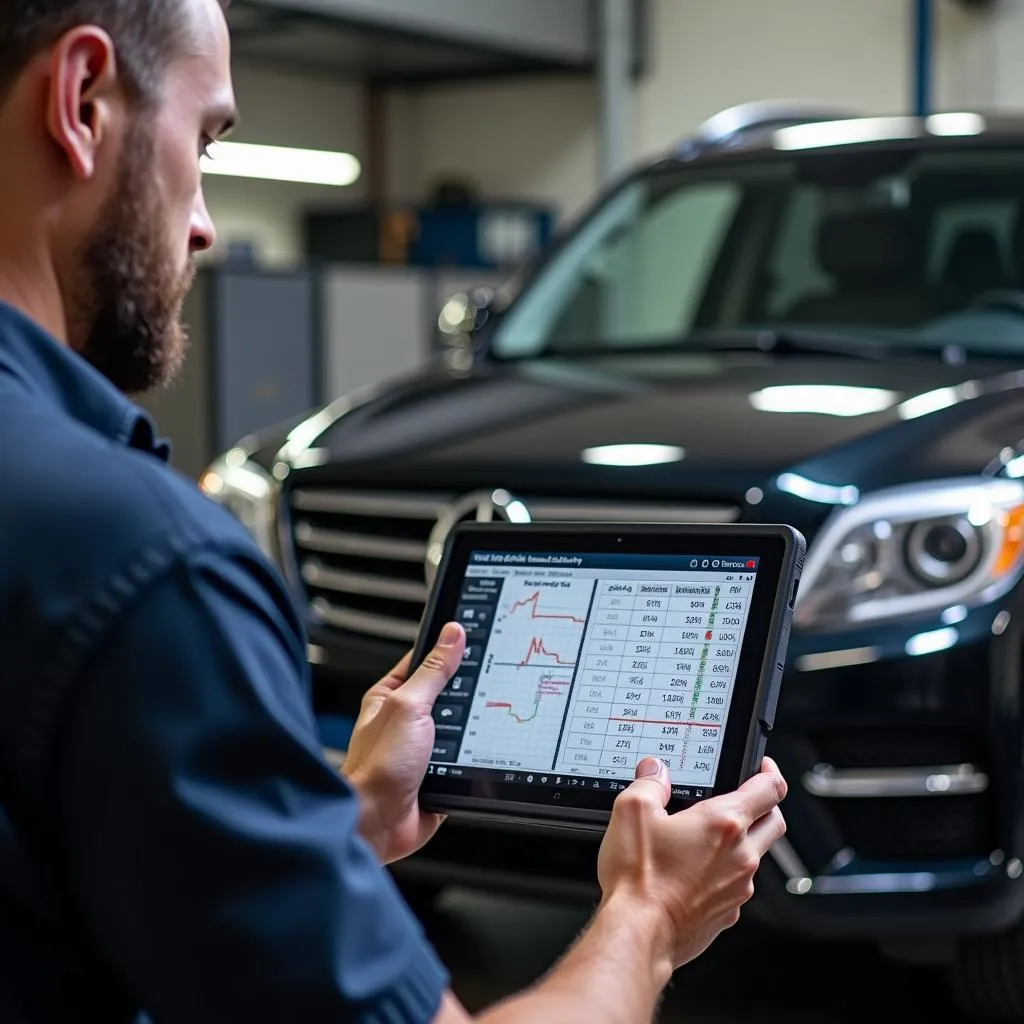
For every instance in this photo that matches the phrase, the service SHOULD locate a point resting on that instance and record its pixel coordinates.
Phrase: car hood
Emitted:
(739, 418)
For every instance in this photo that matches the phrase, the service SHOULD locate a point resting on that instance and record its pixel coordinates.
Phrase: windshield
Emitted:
(920, 250)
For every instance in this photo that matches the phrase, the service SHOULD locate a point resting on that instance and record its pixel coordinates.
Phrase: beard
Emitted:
(131, 289)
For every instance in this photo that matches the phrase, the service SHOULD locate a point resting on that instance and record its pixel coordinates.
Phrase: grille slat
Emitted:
(325, 578)
(363, 622)
(338, 542)
(369, 504)
(362, 554)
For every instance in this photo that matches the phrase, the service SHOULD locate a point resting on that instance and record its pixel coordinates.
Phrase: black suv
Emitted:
(793, 317)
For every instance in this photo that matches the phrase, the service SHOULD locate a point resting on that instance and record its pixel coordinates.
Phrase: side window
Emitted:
(794, 273)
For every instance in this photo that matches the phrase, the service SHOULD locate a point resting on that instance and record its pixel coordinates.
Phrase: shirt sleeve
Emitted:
(213, 851)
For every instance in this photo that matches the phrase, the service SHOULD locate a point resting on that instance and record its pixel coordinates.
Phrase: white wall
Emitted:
(991, 57)
(286, 110)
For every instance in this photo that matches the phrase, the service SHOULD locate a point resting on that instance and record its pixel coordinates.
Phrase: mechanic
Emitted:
(172, 840)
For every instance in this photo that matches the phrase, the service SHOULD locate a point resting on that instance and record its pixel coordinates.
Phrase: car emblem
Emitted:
(479, 507)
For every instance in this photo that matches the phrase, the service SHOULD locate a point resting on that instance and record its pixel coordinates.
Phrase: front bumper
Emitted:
(905, 770)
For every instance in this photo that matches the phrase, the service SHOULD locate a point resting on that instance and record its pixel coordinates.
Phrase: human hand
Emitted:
(695, 868)
(391, 746)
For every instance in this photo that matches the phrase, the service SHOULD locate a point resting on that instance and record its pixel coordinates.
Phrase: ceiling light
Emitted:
(280, 163)
(825, 399)
(845, 133)
(632, 454)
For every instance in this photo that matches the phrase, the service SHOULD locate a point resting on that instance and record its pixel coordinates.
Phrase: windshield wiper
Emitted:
(790, 341)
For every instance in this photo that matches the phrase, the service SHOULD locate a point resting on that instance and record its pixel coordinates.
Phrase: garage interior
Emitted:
(646, 261)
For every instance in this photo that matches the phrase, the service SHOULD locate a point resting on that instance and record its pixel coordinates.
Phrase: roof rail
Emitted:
(727, 124)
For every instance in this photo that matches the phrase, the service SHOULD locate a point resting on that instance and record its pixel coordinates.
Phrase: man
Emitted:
(171, 839)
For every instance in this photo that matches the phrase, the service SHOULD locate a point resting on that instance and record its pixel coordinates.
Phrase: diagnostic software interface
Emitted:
(579, 665)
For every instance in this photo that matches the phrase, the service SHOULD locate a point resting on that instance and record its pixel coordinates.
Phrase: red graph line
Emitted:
(534, 614)
(537, 647)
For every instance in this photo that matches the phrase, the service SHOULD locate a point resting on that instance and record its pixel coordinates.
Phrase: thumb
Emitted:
(438, 667)
(652, 781)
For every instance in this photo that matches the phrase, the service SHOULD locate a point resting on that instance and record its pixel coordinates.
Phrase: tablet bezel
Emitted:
(780, 550)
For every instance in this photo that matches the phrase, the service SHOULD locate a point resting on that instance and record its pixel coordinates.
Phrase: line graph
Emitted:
(537, 649)
(528, 669)
(547, 686)
(532, 602)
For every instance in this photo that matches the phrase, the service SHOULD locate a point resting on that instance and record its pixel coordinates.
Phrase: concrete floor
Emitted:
(495, 946)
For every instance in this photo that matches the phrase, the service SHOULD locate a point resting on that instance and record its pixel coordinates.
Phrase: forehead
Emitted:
(204, 68)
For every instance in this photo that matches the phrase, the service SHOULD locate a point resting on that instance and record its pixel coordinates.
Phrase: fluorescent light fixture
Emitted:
(845, 133)
(1014, 469)
(824, 399)
(633, 454)
(933, 642)
(955, 123)
(280, 163)
(811, 490)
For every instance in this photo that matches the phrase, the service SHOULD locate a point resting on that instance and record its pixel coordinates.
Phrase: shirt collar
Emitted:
(55, 374)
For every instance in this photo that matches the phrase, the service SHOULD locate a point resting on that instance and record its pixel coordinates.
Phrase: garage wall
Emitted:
(287, 110)
(530, 138)
(992, 57)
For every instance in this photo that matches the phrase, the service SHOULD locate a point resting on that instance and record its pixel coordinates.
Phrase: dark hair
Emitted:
(148, 35)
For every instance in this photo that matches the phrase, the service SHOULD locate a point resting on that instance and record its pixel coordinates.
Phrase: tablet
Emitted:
(590, 648)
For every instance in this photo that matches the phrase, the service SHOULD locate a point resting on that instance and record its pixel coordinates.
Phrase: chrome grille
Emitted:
(362, 554)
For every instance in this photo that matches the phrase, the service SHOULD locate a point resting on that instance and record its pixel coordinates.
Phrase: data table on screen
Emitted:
(655, 678)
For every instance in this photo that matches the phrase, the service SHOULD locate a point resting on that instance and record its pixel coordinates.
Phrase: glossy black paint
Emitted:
(523, 425)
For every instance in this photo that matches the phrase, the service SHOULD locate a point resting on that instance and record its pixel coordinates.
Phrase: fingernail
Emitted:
(449, 635)
(648, 767)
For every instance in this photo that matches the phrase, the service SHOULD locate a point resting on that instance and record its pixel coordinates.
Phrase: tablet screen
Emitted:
(577, 666)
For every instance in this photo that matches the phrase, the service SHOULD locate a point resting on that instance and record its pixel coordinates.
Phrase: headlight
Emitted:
(248, 491)
(914, 550)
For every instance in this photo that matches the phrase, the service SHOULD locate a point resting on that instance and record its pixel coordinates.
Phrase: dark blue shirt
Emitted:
(171, 838)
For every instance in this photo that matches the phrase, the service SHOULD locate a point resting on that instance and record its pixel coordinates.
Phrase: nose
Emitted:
(202, 233)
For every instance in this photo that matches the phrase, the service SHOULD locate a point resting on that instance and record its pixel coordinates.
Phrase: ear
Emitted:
(83, 90)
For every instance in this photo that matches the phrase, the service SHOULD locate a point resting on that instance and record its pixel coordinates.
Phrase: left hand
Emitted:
(391, 746)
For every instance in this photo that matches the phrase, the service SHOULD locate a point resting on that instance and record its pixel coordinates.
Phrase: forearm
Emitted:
(614, 974)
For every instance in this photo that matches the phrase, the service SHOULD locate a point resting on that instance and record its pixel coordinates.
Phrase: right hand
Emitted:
(695, 868)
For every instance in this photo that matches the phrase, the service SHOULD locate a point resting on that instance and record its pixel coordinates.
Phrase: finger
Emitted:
(767, 831)
(758, 795)
(652, 783)
(438, 666)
